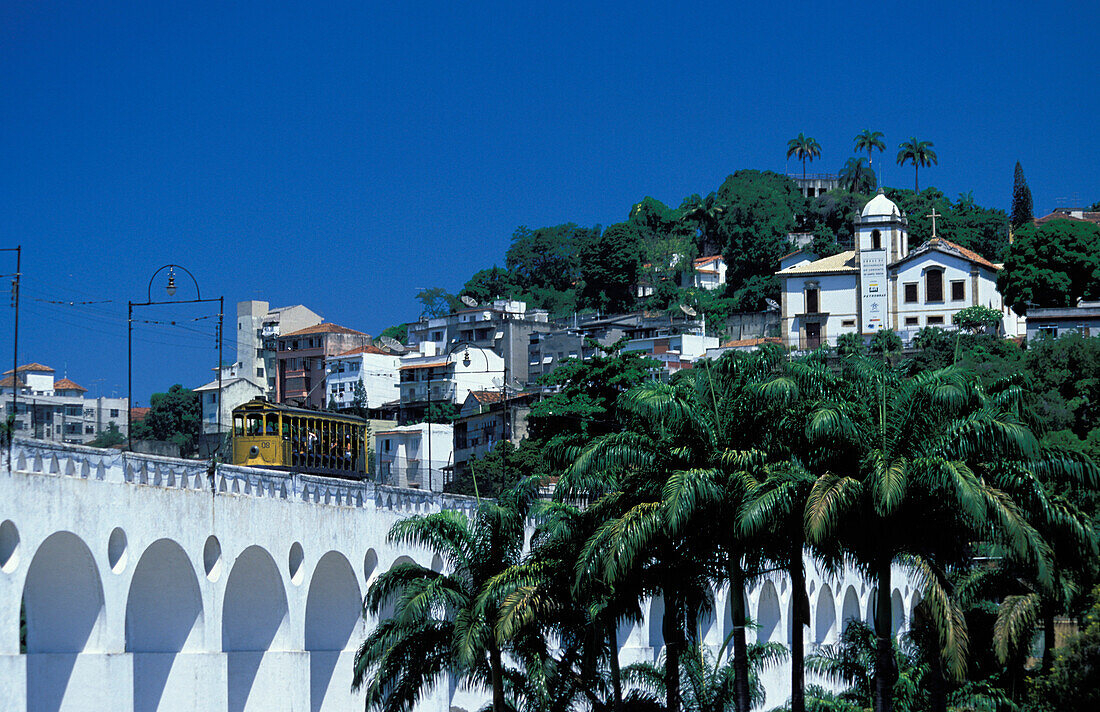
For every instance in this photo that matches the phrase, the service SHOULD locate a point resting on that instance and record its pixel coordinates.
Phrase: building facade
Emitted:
(882, 284)
(236, 390)
(375, 368)
(1056, 321)
(485, 419)
(302, 356)
(58, 410)
(428, 377)
(417, 456)
(258, 328)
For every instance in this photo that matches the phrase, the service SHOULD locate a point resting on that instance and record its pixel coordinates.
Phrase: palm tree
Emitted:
(870, 141)
(710, 684)
(915, 495)
(803, 148)
(856, 177)
(919, 153)
(440, 622)
(704, 214)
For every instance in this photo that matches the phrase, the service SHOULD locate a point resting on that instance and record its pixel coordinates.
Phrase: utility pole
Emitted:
(18, 250)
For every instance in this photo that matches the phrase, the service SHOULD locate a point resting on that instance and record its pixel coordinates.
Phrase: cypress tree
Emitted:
(1021, 199)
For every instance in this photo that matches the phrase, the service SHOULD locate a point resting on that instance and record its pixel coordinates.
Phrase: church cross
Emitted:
(934, 215)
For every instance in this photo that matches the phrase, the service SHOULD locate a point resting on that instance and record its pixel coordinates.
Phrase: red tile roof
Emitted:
(137, 413)
(759, 341)
(968, 254)
(704, 260)
(66, 385)
(31, 367)
(368, 349)
(324, 329)
(7, 382)
(489, 397)
(1087, 216)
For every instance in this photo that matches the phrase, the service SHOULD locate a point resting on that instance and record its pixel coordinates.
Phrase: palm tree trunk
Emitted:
(742, 700)
(496, 670)
(1048, 639)
(916, 177)
(884, 658)
(799, 613)
(613, 661)
(672, 631)
(937, 684)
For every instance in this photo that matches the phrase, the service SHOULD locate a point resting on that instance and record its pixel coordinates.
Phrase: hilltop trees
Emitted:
(919, 153)
(175, 416)
(1021, 199)
(1052, 265)
(869, 141)
(804, 148)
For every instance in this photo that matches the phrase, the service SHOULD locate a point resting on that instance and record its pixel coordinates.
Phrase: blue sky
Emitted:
(344, 154)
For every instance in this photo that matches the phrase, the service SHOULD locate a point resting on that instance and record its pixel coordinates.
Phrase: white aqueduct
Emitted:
(149, 583)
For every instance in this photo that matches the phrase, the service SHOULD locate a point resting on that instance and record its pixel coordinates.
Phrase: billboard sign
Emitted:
(872, 288)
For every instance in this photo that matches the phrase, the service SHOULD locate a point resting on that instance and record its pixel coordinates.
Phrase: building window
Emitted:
(812, 301)
(910, 292)
(89, 430)
(1050, 330)
(848, 322)
(958, 290)
(114, 412)
(912, 321)
(933, 285)
(935, 321)
(259, 373)
(386, 445)
(876, 240)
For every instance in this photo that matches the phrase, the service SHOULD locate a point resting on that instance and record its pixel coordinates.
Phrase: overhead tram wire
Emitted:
(194, 343)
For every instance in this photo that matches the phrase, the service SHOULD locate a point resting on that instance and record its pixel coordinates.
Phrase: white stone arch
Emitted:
(849, 610)
(390, 604)
(656, 619)
(333, 612)
(897, 613)
(914, 601)
(825, 616)
(768, 614)
(164, 616)
(709, 622)
(255, 620)
(63, 600)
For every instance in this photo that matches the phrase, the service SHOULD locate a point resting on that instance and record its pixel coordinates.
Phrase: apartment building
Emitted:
(58, 409)
(302, 357)
(258, 328)
(376, 368)
(486, 418)
(428, 377)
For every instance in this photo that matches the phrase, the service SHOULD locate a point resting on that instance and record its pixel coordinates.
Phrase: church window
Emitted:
(935, 320)
(958, 290)
(876, 240)
(910, 292)
(912, 321)
(933, 285)
(812, 301)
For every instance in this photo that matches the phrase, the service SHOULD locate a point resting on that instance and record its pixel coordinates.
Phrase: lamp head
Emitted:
(466, 357)
(171, 289)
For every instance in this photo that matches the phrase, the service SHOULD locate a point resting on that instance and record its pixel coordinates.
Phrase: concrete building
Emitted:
(485, 419)
(815, 184)
(302, 355)
(1056, 321)
(883, 285)
(376, 368)
(427, 377)
(503, 326)
(416, 456)
(237, 389)
(674, 351)
(258, 327)
(706, 273)
(58, 410)
(152, 583)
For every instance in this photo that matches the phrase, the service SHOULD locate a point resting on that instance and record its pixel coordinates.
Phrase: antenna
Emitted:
(393, 344)
(772, 304)
(688, 310)
(468, 300)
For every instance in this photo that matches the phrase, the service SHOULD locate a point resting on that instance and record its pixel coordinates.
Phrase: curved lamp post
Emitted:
(170, 289)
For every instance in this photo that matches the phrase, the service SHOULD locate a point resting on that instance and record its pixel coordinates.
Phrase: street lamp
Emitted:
(170, 289)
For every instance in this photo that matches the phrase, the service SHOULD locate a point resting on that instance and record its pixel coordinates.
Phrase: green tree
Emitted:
(869, 141)
(609, 267)
(441, 622)
(885, 341)
(109, 437)
(1021, 199)
(1052, 265)
(436, 301)
(1073, 682)
(489, 284)
(919, 153)
(760, 212)
(856, 177)
(850, 344)
(804, 148)
(399, 332)
(544, 261)
(977, 319)
(704, 215)
(175, 416)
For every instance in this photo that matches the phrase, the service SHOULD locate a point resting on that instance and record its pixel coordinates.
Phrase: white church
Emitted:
(882, 284)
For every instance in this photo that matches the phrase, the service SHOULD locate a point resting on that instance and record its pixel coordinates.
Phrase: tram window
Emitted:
(272, 424)
(286, 428)
(238, 425)
(255, 423)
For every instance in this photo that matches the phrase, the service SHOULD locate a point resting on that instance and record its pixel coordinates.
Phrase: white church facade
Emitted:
(882, 284)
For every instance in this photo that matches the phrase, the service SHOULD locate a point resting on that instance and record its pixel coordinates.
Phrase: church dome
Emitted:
(880, 206)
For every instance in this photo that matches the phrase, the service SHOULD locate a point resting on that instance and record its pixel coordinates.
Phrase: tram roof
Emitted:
(266, 405)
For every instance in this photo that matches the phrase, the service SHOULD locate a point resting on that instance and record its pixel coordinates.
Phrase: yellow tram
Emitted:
(280, 437)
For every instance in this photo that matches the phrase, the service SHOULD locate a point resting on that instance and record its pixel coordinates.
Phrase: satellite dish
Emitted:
(497, 382)
(393, 344)
(688, 310)
(468, 300)
(772, 304)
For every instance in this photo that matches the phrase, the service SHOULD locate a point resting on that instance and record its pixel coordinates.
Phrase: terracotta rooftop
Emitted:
(489, 397)
(368, 349)
(324, 329)
(33, 367)
(704, 260)
(758, 341)
(66, 385)
(939, 242)
(7, 382)
(137, 413)
(1086, 216)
